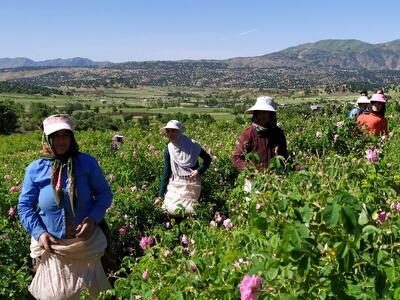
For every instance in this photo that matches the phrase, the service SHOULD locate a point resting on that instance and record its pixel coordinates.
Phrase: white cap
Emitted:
(362, 99)
(55, 123)
(265, 103)
(173, 124)
(118, 135)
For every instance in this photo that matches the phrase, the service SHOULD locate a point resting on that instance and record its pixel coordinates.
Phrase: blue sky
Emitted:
(123, 30)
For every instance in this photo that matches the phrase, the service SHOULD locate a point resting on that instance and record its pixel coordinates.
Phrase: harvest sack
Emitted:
(183, 191)
(75, 265)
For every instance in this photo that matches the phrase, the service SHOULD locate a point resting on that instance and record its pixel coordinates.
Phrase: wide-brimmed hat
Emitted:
(265, 103)
(57, 122)
(362, 99)
(378, 98)
(173, 124)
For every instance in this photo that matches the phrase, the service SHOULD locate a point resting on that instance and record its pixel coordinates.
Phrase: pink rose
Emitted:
(249, 287)
(146, 242)
(122, 230)
(184, 240)
(227, 224)
(382, 217)
(371, 155)
(145, 275)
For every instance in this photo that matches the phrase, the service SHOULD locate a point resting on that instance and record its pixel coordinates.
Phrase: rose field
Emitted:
(324, 225)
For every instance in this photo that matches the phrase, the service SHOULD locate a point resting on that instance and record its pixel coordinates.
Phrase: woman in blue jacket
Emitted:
(63, 199)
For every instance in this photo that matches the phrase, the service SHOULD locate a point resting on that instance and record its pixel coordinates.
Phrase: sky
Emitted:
(136, 30)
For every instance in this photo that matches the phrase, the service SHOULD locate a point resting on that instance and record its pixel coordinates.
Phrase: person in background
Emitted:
(262, 137)
(373, 120)
(362, 103)
(117, 141)
(63, 200)
(180, 182)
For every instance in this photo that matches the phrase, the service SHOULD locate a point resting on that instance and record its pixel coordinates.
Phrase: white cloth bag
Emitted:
(183, 191)
(75, 265)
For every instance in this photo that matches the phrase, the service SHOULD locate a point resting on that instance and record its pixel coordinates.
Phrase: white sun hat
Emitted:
(265, 103)
(57, 122)
(362, 99)
(173, 124)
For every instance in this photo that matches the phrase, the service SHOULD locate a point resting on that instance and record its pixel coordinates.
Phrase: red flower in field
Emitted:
(144, 186)
(5, 237)
(7, 177)
(214, 158)
(382, 217)
(249, 287)
(122, 231)
(134, 188)
(111, 177)
(146, 242)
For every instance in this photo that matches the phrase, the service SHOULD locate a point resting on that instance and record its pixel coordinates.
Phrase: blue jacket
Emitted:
(37, 208)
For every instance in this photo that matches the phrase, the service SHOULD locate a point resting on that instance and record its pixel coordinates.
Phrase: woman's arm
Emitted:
(166, 174)
(206, 162)
(101, 191)
(238, 157)
(27, 207)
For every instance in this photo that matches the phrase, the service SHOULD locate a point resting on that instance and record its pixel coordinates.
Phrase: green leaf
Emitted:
(331, 214)
(363, 217)
(370, 229)
(390, 274)
(261, 223)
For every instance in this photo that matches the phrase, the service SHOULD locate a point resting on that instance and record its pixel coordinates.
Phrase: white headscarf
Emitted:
(184, 153)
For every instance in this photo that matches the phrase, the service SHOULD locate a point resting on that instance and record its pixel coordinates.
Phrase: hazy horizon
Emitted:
(185, 30)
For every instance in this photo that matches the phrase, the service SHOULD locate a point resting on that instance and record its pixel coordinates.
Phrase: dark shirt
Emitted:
(266, 143)
(167, 172)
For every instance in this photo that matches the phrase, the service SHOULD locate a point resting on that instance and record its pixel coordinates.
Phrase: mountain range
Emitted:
(347, 54)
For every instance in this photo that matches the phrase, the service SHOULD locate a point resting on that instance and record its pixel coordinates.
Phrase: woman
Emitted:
(263, 137)
(63, 199)
(362, 103)
(180, 183)
(373, 120)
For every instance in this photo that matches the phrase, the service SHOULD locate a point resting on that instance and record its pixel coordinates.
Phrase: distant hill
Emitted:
(23, 62)
(329, 63)
(349, 54)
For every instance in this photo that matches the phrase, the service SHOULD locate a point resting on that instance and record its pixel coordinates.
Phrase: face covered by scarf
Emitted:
(184, 153)
(58, 161)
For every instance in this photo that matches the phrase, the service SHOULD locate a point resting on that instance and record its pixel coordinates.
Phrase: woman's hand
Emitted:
(45, 241)
(85, 229)
(194, 174)
(158, 201)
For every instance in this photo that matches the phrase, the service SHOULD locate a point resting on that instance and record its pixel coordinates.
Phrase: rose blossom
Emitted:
(146, 242)
(145, 275)
(249, 287)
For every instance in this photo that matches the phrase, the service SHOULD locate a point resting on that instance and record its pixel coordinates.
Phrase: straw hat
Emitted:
(265, 103)
(173, 124)
(57, 122)
(362, 99)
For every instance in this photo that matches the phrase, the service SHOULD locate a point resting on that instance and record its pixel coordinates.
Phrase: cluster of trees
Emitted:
(27, 88)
